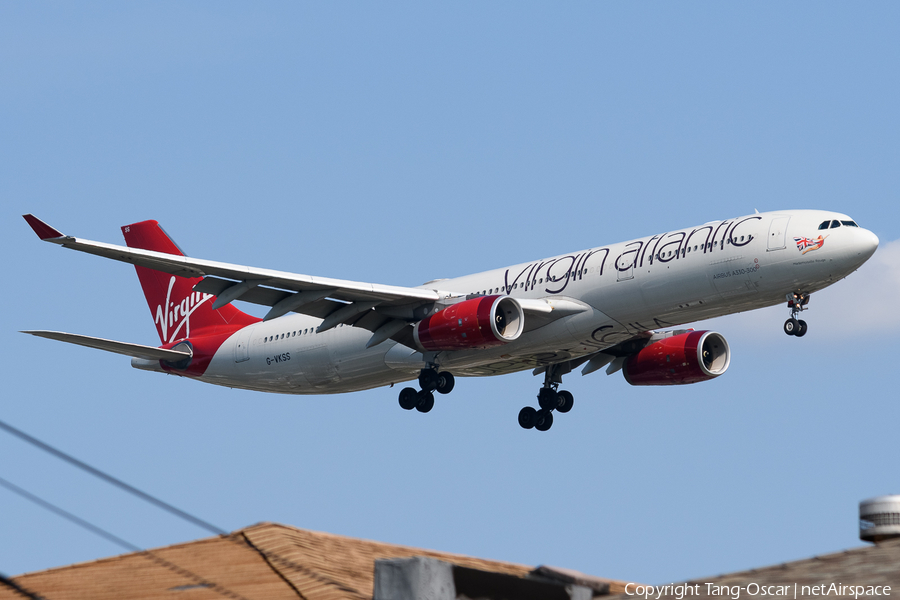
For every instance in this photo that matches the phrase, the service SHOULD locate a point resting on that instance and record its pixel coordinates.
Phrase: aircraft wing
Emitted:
(335, 300)
(128, 349)
(385, 310)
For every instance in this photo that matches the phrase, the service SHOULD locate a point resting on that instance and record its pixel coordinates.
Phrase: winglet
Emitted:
(44, 231)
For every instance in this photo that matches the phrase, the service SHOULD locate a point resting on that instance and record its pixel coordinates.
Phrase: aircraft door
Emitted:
(626, 262)
(625, 267)
(242, 344)
(777, 233)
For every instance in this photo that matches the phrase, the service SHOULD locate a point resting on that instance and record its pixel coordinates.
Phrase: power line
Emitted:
(198, 580)
(67, 515)
(112, 480)
(242, 541)
(4, 580)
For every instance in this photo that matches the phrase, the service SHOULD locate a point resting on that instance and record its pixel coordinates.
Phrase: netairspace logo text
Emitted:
(684, 590)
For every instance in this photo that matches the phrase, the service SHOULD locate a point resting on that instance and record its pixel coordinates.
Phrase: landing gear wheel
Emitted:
(797, 302)
(445, 382)
(527, 417)
(409, 397)
(566, 401)
(548, 399)
(791, 326)
(425, 401)
(428, 380)
(544, 420)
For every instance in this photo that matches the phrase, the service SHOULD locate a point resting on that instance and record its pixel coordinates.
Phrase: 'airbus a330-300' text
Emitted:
(615, 306)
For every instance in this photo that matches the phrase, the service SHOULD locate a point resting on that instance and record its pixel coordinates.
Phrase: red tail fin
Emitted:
(177, 309)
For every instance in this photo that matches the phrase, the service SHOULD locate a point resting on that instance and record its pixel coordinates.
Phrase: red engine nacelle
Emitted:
(477, 323)
(685, 358)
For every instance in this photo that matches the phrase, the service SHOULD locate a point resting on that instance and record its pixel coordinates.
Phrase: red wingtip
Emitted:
(44, 231)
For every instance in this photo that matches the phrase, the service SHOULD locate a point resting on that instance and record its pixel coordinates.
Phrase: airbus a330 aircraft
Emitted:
(602, 307)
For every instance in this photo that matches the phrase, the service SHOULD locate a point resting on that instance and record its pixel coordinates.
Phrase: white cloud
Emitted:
(868, 301)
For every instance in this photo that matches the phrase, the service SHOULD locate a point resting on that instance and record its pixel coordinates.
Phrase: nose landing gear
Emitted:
(549, 399)
(430, 380)
(797, 303)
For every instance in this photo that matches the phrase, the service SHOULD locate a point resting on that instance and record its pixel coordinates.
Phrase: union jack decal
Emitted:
(805, 244)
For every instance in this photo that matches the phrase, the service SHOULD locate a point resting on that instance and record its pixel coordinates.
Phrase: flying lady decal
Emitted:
(805, 244)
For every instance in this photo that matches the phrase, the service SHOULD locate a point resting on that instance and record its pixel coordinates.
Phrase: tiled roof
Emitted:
(325, 566)
(877, 565)
(264, 561)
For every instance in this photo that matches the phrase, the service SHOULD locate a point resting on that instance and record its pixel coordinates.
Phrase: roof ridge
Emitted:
(154, 558)
(412, 549)
(93, 561)
(799, 563)
(297, 567)
(271, 566)
(204, 540)
(267, 526)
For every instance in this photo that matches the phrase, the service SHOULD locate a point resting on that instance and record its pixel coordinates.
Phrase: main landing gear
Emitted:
(797, 303)
(430, 380)
(549, 399)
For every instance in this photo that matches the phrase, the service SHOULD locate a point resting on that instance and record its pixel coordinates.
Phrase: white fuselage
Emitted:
(655, 282)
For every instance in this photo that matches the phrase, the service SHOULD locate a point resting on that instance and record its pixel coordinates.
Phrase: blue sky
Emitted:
(401, 142)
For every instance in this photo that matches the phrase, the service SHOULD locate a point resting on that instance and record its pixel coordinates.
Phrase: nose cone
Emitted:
(865, 245)
(870, 243)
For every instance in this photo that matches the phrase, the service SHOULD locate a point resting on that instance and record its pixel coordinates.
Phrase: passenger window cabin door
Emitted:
(242, 345)
(777, 233)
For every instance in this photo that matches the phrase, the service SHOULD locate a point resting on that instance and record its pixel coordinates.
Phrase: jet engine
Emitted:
(481, 322)
(685, 358)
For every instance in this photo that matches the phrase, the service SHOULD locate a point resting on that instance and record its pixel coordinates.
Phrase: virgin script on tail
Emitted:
(179, 314)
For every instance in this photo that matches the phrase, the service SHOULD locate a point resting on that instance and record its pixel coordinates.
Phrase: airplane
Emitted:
(617, 306)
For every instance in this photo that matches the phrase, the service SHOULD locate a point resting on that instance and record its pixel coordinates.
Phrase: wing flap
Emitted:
(126, 348)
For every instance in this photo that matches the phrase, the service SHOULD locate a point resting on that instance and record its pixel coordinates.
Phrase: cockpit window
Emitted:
(824, 224)
(849, 223)
(835, 224)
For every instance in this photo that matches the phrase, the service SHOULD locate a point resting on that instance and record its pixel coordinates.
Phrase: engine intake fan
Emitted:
(689, 357)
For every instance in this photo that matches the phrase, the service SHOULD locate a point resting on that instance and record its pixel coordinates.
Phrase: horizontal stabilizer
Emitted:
(134, 350)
